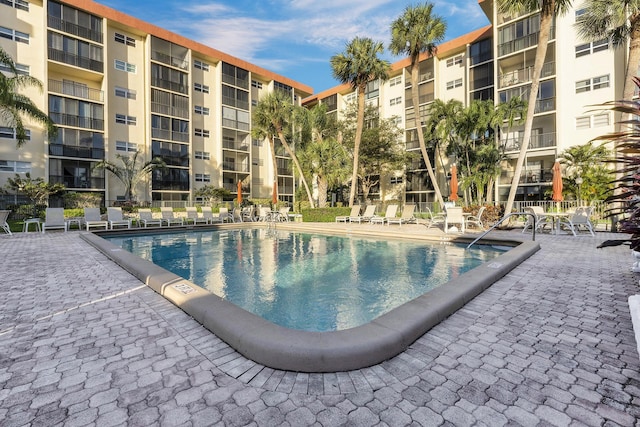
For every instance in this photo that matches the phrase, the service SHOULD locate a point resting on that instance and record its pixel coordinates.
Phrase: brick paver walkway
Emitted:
(82, 342)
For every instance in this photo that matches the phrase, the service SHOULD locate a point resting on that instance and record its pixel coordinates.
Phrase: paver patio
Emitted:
(82, 342)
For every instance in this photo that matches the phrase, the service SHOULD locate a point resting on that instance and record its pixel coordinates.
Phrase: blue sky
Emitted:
(294, 38)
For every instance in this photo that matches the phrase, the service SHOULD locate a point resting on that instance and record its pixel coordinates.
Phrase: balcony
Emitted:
(170, 60)
(169, 85)
(545, 105)
(169, 110)
(76, 151)
(542, 140)
(232, 145)
(235, 124)
(77, 121)
(524, 75)
(75, 89)
(75, 29)
(235, 167)
(527, 177)
(73, 59)
(170, 135)
(77, 182)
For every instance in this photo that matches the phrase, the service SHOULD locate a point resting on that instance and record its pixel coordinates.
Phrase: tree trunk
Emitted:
(272, 146)
(415, 98)
(633, 60)
(546, 19)
(356, 147)
(322, 192)
(297, 164)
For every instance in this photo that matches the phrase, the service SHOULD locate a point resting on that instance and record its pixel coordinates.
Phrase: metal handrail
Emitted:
(507, 216)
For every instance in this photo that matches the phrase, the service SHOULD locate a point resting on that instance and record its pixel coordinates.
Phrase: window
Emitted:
(125, 93)
(583, 122)
(18, 4)
(201, 132)
(201, 110)
(580, 14)
(257, 85)
(257, 142)
(203, 177)
(15, 167)
(454, 83)
(395, 101)
(583, 86)
(200, 88)
(125, 66)
(14, 35)
(593, 47)
(20, 69)
(121, 38)
(395, 81)
(203, 155)
(583, 49)
(10, 133)
(600, 82)
(601, 120)
(349, 98)
(125, 120)
(126, 146)
(395, 180)
(456, 60)
(600, 45)
(200, 65)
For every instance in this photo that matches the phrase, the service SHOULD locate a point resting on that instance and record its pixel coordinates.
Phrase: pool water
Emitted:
(307, 281)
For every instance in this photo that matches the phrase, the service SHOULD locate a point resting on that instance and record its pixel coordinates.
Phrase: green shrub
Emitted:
(324, 214)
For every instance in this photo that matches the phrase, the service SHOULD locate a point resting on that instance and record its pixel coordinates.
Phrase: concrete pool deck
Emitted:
(82, 341)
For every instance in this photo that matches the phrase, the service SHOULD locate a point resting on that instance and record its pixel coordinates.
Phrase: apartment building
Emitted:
(496, 62)
(116, 85)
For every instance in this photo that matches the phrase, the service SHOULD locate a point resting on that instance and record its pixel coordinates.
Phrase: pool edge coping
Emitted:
(302, 351)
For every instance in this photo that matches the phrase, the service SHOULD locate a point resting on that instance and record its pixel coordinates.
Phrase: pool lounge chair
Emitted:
(146, 218)
(168, 217)
(92, 218)
(391, 212)
(194, 218)
(54, 219)
(454, 216)
(116, 219)
(578, 220)
(225, 216)
(355, 211)
(210, 217)
(283, 214)
(369, 212)
(406, 217)
(4, 214)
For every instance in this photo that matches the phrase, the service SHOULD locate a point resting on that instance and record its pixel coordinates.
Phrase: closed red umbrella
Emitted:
(239, 192)
(453, 186)
(274, 196)
(557, 184)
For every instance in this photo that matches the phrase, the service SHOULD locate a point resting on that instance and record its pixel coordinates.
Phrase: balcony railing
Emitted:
(527, 177)
(169, 60)
(75, 151)
(522, 43)
(234, 124)
(77, 121)
(78, 61)
(233, 102)
(170, 135)
(75, 29)
(285, 171)
(167, 84)
(235, 167)
(235, 146)
(545, 105)
(525, 75)
(542, 140)
(75, 89)
(169, 110)
(77, 182)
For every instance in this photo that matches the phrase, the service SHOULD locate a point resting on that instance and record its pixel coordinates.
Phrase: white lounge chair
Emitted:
(283, 214)
(454, 216)
(391, 212)
(92, 218)
(476, 220)
(264, 213)
(369, 212)
(3, 221)
(168, 217)
(578, 220)
(210, 217)
(406, 217)
(355, 211)
(116, 219)
(248, 214)
(433, 219)
(194, 218)
(54, 219)
(225, 216)
(541, 220)
(146, 218)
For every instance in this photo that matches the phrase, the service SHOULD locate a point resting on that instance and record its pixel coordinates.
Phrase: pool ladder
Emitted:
(533, 216)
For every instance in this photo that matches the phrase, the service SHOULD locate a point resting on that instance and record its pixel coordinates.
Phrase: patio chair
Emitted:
(92, 218)
(541, 220)
(355, 211)
(194, 218)
(283, 214)
(369, 212)
(248, 214)
(210, 217)
(391, 212)
(264, 213)
(3, 221)
(116, 219)
(236, 214)
(54, 218)
(433, 219)
(146, 218)
(476, 220)
(577, 221)
(454, 216)
(406, 217)
(224, 214)
(168, 217)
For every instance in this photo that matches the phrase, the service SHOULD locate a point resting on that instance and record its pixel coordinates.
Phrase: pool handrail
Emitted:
(507, 216)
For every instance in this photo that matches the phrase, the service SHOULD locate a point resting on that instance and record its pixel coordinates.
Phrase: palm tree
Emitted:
(14, 105)
(548, 9)
(358, 65)
(441, 125)
(616, 21)
(418, 31)
(129, 172)
(273, 114)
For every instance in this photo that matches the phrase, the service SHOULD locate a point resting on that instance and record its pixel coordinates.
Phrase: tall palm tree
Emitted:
(441, 125)
(414, 32)
(358, 65)
(14, 105)
(129, 172)
(616, 21)
(271, 117)
(548, 9)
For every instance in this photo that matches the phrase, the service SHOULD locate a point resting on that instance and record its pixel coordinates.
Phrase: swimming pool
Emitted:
(305, 281)
(289, 349)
